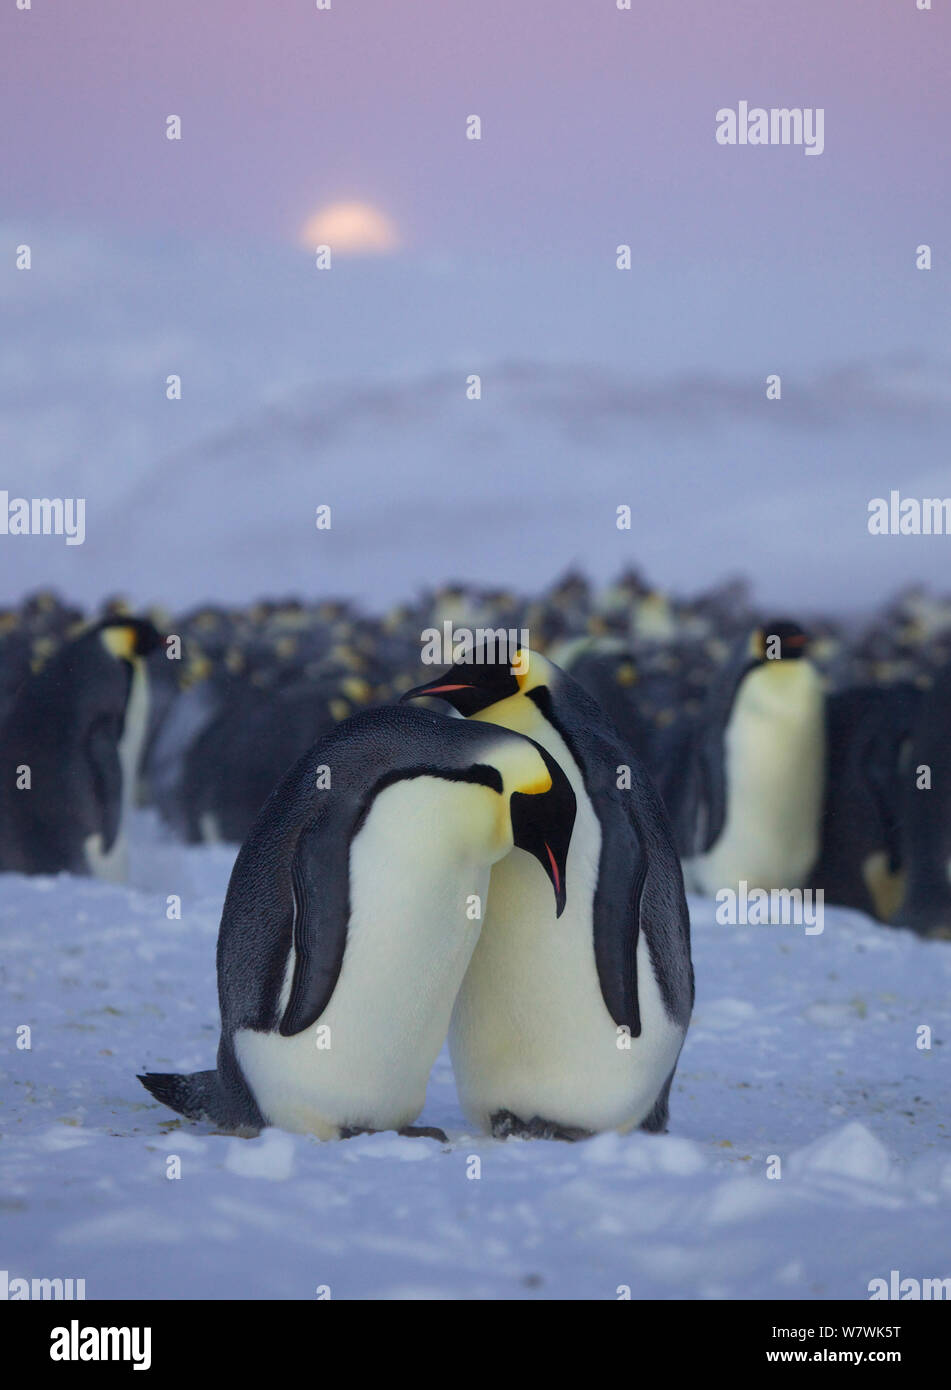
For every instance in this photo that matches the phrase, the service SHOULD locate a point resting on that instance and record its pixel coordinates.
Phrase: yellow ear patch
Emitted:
(119, 641)
(758, 644)
(535, 670)
(537, 786)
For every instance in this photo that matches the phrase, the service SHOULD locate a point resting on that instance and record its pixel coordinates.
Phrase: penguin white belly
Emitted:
(366, 1060)
(133, 734)
(112, 865)
(530, 1032)
(775, 761)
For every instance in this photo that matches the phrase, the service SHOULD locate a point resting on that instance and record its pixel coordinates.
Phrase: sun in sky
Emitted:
(352, 227)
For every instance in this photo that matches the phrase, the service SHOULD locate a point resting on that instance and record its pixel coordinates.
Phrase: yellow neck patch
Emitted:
(119, 642)
(537, 670)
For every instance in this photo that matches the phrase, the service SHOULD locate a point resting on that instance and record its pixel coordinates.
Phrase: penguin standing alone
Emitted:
(352, 914)
(568, 1025)
(760, 767)
(77, 727)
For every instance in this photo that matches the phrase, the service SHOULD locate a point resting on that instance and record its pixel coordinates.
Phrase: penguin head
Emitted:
(492, 673)
(779, 639)
(128, 638)
(542, 808)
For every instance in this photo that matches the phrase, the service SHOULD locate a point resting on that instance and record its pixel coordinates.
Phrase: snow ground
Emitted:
(801, 1047)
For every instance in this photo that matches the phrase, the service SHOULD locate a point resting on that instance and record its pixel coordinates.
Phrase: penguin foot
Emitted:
(411, 1132)
(425, 1132)
(505, 1125)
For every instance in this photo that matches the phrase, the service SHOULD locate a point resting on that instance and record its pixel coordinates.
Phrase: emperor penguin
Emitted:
(869, 731)
(69, 754)
(926, 815)
(233, 765)
(572, 1024)
(759, 767)
(352, 913)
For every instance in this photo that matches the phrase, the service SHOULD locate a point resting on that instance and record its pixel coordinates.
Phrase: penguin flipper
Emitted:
(321, 913)
(711, 752)
(640, 890)
(102, 751)
(617, 917)
(882, 768)
(712, 791)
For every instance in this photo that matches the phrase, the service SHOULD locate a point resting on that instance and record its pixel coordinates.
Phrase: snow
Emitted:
(802, 1049)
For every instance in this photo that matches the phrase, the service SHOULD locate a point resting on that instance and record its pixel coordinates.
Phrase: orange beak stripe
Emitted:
(554, 868)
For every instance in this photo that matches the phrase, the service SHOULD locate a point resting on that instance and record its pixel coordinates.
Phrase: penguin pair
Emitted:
(353, 912)
(69, 754)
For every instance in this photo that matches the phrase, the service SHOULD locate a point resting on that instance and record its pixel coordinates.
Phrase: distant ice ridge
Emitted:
(424, 484)
(359, 401)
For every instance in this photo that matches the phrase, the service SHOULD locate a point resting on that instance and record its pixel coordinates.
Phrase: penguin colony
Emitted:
(493, 850)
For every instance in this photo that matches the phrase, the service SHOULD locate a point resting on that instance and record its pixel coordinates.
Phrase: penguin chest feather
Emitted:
(530, 1032)
(366, 1060)
(775, 759)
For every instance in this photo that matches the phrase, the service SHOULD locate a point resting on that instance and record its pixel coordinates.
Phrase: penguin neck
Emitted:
(518, 713)
(523, 716)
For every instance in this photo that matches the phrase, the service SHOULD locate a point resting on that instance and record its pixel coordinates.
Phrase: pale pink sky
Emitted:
(599, 124)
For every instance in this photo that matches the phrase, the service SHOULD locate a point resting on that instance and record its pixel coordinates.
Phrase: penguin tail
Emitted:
(193, 1096)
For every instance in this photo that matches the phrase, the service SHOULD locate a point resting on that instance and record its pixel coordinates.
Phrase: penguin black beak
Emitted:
(542, 823)
(469, 689)
(439, 687)
(552, 859)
